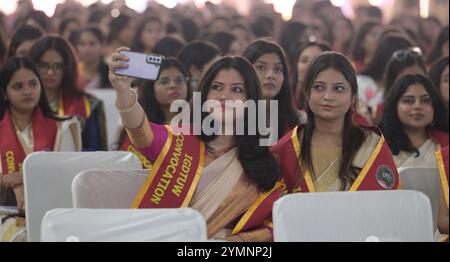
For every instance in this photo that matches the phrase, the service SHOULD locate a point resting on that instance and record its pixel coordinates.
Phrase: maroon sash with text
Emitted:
(175, 173)
(11, 150)
(378, 173)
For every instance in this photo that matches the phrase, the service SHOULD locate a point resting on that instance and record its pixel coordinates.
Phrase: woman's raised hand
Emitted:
(120, 83)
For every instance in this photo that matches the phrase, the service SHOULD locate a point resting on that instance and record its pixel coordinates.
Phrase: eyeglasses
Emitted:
(401, 55)
(179, 80)
(44, 67)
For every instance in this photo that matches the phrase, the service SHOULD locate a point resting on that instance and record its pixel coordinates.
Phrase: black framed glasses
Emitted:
(401, 55)
(44, 67)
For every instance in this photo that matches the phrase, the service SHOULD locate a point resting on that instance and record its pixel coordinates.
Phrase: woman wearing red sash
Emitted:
(27, 124)
(330, 153)
(415, 122)
(57, 66)
(156, 98)
(229, 179)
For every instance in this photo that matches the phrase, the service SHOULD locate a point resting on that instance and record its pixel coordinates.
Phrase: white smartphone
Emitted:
(146, 66)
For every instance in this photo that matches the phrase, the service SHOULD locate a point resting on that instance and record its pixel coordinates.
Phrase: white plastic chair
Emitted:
(353, 216)
(98, 188)
(107, 225)
(425, 180)
(48, 178)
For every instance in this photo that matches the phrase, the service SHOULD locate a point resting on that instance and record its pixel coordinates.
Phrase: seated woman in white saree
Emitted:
(27, 125)
(415, 123)
(229, 179)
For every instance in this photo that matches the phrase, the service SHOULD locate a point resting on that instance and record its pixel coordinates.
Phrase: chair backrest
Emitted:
(112, 116)
(353, 216)
(158, 224)
(48, 178)
(425, 180)
(99, 188)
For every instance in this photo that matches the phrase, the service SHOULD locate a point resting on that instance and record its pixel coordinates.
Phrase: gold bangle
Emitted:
(126, 110)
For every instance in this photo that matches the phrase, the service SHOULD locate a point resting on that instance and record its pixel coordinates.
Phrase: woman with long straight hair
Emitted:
(415, 123)
(271, 65)
(27, 124)
(330, 153)
(57, 66)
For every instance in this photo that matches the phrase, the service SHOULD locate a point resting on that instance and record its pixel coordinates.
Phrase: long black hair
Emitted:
(6, 73)
(352, 136)
(287, 117)
(70, 81)
(148, 100)
(258, 163)
(391, 125)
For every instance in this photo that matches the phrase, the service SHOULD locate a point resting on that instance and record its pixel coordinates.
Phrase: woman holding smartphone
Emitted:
(229, 179)
(156, 98)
